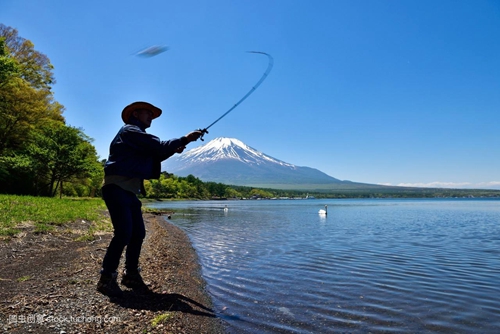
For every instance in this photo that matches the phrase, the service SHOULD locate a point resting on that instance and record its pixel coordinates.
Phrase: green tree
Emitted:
(201, 190)
(35, 67)
(87, 184)
(23, 109)
(61, 153)
(169, 186)
(26, 100)
(232, 193)
(261, 193)
(8, 67)
(216, 189)
(16, 175)
(38, 152)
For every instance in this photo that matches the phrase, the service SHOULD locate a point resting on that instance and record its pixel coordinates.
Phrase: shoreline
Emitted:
(48, 284)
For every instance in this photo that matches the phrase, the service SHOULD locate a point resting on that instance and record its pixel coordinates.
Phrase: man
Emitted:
(134, 155)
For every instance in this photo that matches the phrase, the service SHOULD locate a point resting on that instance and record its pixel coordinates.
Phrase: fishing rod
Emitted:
(264, 76)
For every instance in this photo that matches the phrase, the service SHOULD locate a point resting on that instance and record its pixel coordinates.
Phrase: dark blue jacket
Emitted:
(135, 153)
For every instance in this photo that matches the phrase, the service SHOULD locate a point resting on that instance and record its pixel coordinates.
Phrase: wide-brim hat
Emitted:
(128, 110)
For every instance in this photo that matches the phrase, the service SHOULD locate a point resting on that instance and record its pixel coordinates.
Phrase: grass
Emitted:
(161, 318)
(24, 278)
(46, 212)
(97, 226)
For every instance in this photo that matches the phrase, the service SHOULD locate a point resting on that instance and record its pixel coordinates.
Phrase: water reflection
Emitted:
(368, 266)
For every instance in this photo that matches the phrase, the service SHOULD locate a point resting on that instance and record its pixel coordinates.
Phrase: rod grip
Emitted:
(203, 131)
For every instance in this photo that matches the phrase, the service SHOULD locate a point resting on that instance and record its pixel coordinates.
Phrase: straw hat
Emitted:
(128, 110)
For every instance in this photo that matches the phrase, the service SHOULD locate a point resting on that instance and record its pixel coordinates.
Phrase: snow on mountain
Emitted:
(228, 148)
(230, 161)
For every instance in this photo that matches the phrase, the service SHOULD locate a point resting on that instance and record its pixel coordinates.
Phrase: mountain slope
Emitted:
(230, 161)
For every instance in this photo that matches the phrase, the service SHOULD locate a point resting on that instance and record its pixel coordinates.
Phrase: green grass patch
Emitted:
(89, 236)
(45, 212)
(161, 318)
(8, 231)
(24, 278)
(43, 227)
(99, 225)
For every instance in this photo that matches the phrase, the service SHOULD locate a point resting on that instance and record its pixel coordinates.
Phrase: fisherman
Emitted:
(134, 156)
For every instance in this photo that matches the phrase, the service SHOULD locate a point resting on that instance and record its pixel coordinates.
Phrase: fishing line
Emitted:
(264, 76)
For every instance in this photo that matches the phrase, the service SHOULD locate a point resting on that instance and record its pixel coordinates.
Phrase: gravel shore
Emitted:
(48, 285)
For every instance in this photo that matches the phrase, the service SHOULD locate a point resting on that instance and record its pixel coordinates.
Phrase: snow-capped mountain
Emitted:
(228, 148)
(230, 161)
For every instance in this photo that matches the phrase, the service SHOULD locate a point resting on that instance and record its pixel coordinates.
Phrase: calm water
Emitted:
(378, 266)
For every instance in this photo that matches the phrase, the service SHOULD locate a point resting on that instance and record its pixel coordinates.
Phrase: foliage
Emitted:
(35, 67)
(61, 152)
(39, 153)
(174, 187)
(44, 212)
(8, 67)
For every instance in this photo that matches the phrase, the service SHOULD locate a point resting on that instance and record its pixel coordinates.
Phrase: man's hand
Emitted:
(194, 135)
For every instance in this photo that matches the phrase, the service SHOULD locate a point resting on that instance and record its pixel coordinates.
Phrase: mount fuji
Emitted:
(230, 161)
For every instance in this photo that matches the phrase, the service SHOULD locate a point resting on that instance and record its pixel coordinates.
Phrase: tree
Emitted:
(26, 101)
(38, 151)
(61, 153)
(35, 67)
(216, 189)
(23, 109)
(261, 193)
(232, 193)
(96, 175)
(201, 191)
(87, 184)
(16, 175)
(8, 67)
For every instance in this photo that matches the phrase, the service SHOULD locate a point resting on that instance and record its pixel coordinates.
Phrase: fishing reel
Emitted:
(203, 131)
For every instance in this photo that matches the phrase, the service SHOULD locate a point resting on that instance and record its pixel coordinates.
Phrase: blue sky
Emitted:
(378, 91)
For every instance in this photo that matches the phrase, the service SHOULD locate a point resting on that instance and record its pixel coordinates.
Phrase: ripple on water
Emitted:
(370, 266)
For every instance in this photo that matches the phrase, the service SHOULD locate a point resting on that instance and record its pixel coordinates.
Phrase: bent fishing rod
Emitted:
(264, 76)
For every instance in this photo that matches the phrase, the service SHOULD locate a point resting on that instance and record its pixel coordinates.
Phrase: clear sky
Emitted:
(399, 92)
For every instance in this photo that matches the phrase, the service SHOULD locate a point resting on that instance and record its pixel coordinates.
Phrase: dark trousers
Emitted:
(125, 210)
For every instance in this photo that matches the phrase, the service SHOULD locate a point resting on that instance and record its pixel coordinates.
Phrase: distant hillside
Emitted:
(230, 161)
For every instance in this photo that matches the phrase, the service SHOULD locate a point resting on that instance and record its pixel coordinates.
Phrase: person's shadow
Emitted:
(153, 301)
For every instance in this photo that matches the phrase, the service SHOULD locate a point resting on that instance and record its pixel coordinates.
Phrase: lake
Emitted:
(374, 265)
